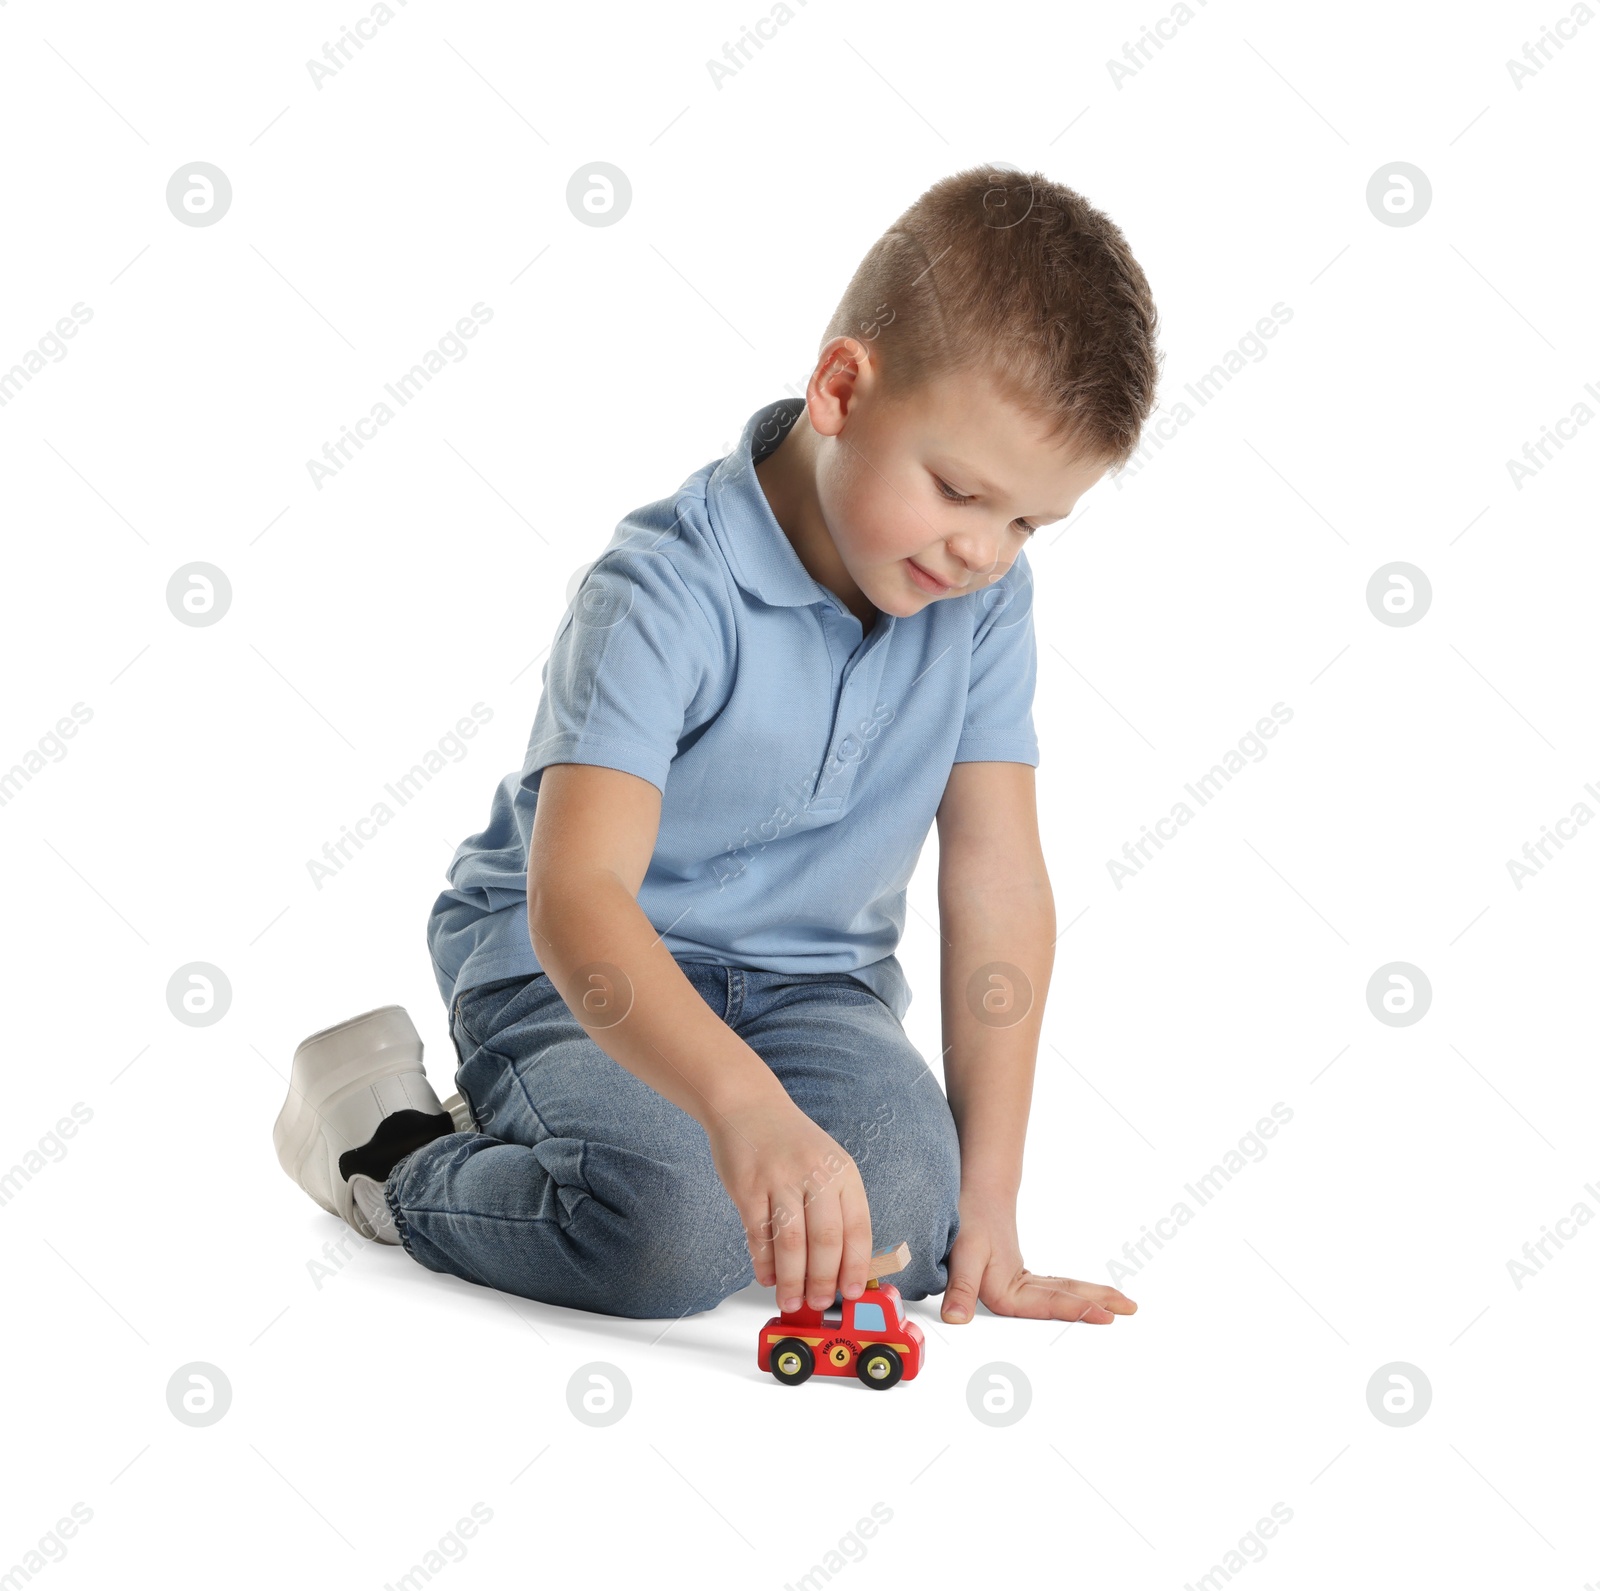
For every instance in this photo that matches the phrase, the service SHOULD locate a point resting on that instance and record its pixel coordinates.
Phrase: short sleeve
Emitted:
(632, 656)
(998, 725)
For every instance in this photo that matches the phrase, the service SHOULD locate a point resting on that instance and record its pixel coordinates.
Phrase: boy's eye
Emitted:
(952, 495)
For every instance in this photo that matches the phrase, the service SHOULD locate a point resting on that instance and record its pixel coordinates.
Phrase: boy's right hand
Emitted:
(800, 1198)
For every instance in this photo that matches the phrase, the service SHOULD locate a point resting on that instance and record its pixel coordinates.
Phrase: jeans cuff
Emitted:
(391, 1197)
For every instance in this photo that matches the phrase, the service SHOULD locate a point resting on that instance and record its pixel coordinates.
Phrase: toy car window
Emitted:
(869, 1317)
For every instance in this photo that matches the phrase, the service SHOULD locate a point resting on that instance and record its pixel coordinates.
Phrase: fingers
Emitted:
(1062, 1298)
(803, 1206)
(857, 1238)
(1107, 1297)
(758, 1231)
(960, 1294)
(1031, 1297)
(838, 1241)
(824, 1245)
(790, 1243)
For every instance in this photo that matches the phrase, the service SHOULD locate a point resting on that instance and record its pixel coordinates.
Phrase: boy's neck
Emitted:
(788, 477)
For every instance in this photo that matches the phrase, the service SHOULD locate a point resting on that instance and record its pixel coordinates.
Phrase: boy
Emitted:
(669, 957)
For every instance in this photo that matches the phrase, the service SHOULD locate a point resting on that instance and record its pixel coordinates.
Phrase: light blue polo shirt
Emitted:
(800, 761)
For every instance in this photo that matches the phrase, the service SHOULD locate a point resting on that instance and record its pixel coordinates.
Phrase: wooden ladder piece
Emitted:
(889, 1261)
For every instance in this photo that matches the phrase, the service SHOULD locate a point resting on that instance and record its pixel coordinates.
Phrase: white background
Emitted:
(371, 1412)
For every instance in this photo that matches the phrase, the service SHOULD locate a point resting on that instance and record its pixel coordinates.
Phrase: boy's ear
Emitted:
(844, 367)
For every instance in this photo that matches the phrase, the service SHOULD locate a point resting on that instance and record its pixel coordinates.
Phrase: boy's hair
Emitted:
(1006, 273)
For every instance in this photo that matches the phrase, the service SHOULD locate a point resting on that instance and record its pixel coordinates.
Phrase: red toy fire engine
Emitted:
(869, 1337)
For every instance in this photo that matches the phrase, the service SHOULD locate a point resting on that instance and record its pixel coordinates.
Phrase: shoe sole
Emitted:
(331, 1064)
(460, 1116)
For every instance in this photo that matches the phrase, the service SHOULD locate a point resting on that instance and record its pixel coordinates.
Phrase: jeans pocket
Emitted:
(483, 1011)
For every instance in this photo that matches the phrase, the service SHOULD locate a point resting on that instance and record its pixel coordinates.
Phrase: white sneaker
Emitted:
(358, 1101)
(460, 1114)
(366, 1193)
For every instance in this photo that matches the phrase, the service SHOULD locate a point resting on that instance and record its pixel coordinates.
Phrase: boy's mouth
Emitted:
(928, 582)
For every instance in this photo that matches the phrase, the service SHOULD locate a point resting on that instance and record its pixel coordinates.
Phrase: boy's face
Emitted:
(932, 496)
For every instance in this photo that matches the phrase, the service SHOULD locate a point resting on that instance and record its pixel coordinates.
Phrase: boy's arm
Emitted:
(996, 921)
(798, 1194)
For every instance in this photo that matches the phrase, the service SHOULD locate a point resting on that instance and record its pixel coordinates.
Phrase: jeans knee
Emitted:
(688, 1285)
(683, 1249)
(913, 1182)
(695, 1287)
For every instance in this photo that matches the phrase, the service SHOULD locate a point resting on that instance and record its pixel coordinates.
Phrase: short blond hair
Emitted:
(1004, 272)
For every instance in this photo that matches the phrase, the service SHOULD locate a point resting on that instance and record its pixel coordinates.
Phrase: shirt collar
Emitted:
(760, 556)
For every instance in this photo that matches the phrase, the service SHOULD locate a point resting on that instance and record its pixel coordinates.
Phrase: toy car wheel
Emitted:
(792, 1361)
(880, 1366)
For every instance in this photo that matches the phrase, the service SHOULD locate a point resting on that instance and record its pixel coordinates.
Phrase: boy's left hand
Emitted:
(986, 1263)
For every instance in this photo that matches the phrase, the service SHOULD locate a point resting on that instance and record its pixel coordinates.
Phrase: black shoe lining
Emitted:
(396, 1137)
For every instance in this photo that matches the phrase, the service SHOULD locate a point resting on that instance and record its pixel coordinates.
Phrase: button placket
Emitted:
(847, 747)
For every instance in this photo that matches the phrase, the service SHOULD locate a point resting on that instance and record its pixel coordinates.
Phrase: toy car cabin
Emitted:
(869, 1337)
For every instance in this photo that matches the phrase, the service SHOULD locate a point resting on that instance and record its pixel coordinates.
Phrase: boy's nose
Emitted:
(973, 561)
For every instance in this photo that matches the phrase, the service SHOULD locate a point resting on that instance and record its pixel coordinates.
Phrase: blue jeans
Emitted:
(585, 1187)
